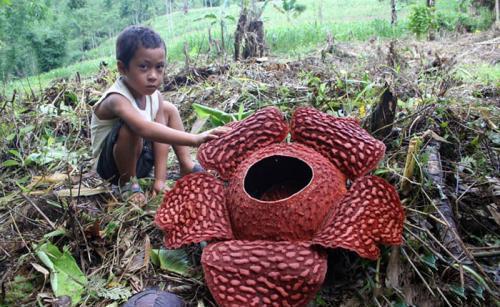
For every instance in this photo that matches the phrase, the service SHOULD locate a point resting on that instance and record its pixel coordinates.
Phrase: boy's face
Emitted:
(145, 70)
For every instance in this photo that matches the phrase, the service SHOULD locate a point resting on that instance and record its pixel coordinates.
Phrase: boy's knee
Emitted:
(128, 140)
(169, 109)
(126, 134)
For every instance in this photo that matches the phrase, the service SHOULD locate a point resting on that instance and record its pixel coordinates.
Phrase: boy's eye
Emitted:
(143, 66)
(160, 66)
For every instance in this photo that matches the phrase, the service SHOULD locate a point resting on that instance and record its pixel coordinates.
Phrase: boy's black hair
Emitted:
(133, 37)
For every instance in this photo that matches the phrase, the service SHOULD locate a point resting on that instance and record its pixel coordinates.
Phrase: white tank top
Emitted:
(100, 128)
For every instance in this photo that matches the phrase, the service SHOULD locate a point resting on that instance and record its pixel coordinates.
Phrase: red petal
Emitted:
(283, 192)
(371, 213)
(348, 146)
(224, 154)
(194, 211)
(263, 273)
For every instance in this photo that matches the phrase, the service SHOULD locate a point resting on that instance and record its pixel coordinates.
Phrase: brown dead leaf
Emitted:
(42, 270)
(141, 259)
(75, 192)
(94, 231)
(394, 269)
(494, 213)
(52, 179)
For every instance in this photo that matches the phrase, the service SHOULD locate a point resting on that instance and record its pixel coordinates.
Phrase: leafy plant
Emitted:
(318, 90)
(218, 117)
(173, 260)
(421, 20)
(291, 8)
(66, 278)
(100, 288)
(16, 160)
(220, 19)
(17, 290)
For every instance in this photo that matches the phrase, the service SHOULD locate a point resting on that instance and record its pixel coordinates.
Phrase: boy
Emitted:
(132, 126)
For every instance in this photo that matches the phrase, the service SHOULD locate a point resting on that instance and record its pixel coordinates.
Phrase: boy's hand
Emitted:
(158, 187)
(211, 135)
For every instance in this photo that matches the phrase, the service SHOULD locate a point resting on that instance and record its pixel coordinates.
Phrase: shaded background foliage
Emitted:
(39, 35)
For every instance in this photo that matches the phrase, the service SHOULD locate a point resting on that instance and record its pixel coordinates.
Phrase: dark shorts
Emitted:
(106, 166)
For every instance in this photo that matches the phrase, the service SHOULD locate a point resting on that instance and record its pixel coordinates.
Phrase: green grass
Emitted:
(41, 81)
(345, 19)
(483, 73)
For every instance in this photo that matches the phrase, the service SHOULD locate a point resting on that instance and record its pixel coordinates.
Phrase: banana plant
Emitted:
(290, 8)
(218, 117)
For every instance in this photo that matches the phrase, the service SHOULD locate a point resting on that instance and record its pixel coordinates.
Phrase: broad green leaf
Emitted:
(430, 260)
(66, 278)
(460, 291)
(480, 280)
(215, 115)
(10, 137)
(8, 163)
(71, 96)
(240, 111)
(494, 137)
(56, 233)
(15, 153)
(381, 171)
(173, 260)
(475, 141)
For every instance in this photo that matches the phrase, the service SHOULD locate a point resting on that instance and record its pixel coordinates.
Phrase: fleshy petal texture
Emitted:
(348, 146)
(263, 273)
(194, 211)
(283, 192)
(370, 213)
(224, 154)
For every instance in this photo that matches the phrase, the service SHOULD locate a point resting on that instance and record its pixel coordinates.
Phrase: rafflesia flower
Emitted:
(275, 206)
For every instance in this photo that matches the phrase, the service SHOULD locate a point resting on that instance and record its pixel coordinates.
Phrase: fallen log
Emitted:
(448, 232)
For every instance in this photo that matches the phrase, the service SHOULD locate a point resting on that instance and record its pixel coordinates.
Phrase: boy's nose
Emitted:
(152, 76)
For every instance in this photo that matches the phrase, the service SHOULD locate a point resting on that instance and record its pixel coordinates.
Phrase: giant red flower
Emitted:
(278, 205)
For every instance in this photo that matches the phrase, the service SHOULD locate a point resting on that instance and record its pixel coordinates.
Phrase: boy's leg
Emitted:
(119, 157)
(174, 121)
(126, 152)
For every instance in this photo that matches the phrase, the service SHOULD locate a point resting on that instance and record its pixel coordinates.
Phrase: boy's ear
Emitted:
(121, 67)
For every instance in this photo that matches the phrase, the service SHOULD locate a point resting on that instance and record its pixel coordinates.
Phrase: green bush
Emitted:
(453, 21)
(446, 21)
(421, 20)
(50, 48)
(480, 22)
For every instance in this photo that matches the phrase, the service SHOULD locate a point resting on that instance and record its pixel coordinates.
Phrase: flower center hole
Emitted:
(277, 177)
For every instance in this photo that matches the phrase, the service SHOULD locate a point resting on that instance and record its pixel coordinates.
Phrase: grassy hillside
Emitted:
(345, 19)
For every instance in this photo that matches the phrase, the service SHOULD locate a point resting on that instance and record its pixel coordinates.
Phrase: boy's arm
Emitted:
(160, 153)
(118, 106)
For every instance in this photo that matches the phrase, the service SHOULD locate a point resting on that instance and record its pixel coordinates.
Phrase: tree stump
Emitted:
(249, 36)
(382, 117)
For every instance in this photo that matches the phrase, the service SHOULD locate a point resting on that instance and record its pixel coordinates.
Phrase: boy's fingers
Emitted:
(212, 136)
(221, 130)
